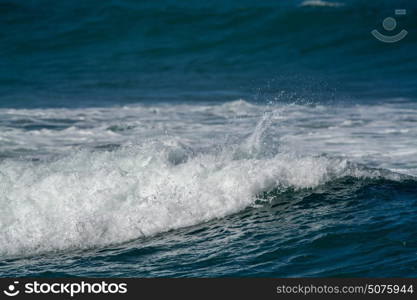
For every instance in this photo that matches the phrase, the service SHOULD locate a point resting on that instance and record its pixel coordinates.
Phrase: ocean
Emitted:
(207, 139)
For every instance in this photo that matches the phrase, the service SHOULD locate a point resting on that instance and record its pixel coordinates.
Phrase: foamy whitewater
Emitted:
(85, 178)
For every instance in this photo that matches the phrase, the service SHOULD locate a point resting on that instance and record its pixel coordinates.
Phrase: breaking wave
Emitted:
(98, 198)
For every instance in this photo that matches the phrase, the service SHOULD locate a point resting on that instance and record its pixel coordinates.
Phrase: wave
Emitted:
(321, 3)
(97, 198)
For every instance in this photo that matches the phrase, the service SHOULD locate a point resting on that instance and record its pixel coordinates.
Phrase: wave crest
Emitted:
(98, 198)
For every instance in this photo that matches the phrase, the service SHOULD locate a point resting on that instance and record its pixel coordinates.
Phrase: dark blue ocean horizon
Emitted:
(207, 139)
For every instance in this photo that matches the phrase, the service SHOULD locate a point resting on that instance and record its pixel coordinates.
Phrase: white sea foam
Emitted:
(381, 136)
(91, 199)
(178, 165)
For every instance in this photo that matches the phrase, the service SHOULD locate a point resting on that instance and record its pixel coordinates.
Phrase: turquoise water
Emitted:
(191, 139)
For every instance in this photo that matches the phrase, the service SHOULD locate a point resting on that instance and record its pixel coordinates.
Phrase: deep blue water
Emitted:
(112, 52)
(206, 139)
